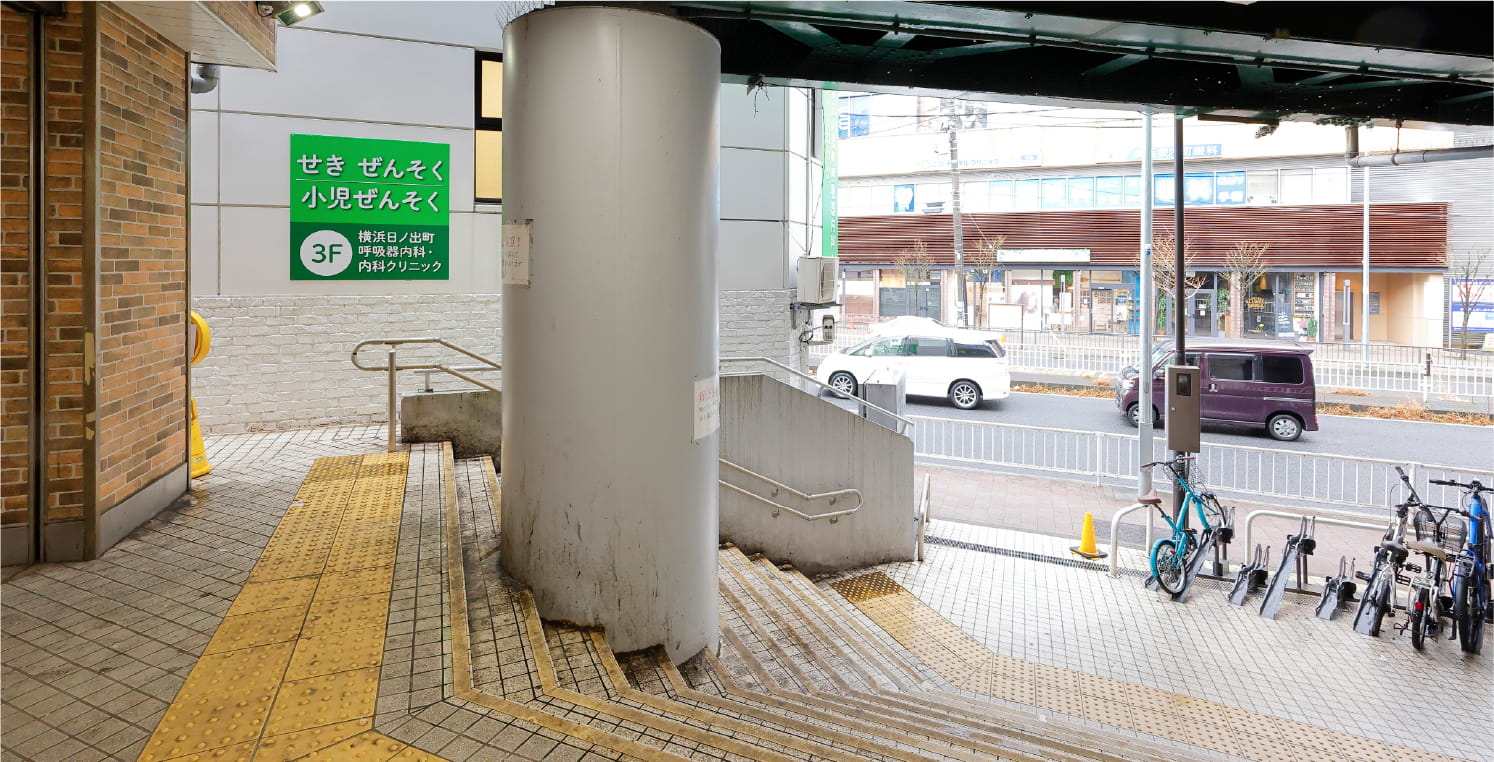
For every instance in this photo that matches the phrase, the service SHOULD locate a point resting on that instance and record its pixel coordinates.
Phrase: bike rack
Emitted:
(1251, 576)
(1293, 555)
(1209, 545)
(1336, 590)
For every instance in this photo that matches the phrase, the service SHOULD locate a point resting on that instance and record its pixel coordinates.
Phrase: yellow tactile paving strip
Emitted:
(965, 662)
(293, 670)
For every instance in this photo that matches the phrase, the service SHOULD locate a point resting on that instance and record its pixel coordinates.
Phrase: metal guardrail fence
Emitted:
(1296, 478)
(1334, 366)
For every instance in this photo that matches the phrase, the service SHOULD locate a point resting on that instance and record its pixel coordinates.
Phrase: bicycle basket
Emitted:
(1450, 534)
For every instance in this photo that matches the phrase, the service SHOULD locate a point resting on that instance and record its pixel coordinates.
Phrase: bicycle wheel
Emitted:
(1421, 614)
(1167, 566)
(1212, 511)
(1469, 615)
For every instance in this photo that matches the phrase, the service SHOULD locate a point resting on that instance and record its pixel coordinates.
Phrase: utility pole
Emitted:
(1364, 279)
(1146, 306)
(1179, 277)
(952, 126)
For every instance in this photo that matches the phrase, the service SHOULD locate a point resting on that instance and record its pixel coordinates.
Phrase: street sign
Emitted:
(365, 209)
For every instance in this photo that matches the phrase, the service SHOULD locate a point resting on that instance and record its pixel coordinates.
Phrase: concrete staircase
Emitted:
(799, 675)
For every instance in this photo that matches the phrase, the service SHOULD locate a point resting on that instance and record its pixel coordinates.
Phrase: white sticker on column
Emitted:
(516, 252)
(707, 407)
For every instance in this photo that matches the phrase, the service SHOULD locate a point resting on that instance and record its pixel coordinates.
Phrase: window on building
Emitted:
(488, 139)
(1081, 192)
(1261, 187)
(1330, 185)
(1110, 192)
(1002, 198)
(1026, 195)
(1055, 192)
(1296, 186)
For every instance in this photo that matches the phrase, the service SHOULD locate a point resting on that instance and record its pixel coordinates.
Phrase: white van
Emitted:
(966, 367)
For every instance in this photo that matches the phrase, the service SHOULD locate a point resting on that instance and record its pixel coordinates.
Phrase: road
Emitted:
(1288, 472)
(1440, 443)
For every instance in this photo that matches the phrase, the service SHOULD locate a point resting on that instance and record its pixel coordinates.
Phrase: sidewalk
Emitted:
(1056, 508)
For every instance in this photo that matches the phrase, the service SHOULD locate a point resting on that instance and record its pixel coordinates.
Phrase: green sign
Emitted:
(363, 209)
(830, 175)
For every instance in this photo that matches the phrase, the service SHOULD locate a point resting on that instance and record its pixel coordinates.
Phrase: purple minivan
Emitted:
(1264, 387)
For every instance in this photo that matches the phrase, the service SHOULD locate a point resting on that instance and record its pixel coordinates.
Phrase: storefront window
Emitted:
(1269, 307)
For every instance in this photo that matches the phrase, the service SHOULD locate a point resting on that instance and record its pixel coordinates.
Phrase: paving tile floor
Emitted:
(1069, 615)
(92, 654)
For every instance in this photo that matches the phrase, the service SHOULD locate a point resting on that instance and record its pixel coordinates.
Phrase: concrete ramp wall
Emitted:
(814, 447)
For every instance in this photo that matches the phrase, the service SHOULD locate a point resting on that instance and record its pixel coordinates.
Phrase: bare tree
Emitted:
(984, 262)
(1470, 287)
(1164, 274)
(1244, 263)
(916, 264)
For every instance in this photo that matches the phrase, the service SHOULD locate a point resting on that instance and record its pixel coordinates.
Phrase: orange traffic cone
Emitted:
(1087, 547)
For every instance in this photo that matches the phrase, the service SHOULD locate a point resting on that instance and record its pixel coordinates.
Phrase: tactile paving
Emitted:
(293, 670)
(295, 745)
(867, 586)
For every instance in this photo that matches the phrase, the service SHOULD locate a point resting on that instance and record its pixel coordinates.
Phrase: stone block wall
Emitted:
(759, 324)
(142, 259)
(281, 362)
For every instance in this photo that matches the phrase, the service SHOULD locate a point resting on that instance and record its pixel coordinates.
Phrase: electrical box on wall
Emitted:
(817, 279)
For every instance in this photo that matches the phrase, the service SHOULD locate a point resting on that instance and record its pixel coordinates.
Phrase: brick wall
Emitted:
(67, 311)
(15, 265)
(243, 17)
(142, 261)
(284, 361)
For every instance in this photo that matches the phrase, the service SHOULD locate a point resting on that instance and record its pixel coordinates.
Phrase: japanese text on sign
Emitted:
(365, 209)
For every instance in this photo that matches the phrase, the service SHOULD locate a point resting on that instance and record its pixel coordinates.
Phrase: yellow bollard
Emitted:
(1087, 546)
(199, 465)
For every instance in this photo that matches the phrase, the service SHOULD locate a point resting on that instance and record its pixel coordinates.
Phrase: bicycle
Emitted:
(1170, 556)
(1436, 539)
(1378, 600)
(1471, 604)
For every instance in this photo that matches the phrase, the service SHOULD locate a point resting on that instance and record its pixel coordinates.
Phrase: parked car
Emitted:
(1264, 387)
(966, 367)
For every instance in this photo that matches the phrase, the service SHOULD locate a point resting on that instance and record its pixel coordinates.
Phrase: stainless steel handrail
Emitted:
(923, 511)
(392, 367)
(1316, 518)
(905, 422)
(833, 495)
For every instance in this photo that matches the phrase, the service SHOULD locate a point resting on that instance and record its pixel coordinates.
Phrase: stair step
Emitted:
(934, 735)
(933, 706)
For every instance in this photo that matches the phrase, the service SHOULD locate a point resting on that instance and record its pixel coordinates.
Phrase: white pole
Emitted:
(1148, 319)
(1364, 307)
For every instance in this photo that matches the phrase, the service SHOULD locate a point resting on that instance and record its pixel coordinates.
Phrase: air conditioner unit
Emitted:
(817, 279)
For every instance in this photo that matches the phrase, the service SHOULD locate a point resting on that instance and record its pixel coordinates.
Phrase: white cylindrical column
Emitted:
(609, 339)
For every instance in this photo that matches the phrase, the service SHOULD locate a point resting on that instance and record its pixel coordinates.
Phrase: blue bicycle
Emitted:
(1171, 555)
(1472, 572)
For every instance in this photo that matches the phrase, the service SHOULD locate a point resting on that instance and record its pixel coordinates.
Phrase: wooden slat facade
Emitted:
(1322, 237)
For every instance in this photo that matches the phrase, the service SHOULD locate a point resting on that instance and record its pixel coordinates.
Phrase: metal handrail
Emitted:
(905, 422)
(833, 495)
(1317, 519)
(392, 367)
(1115, 534)
(923, 511)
